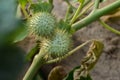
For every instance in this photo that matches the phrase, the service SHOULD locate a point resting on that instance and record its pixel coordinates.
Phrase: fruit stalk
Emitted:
(38, 61)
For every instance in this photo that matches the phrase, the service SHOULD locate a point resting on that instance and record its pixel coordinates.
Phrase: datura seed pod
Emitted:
(42, 24)
(59, 45)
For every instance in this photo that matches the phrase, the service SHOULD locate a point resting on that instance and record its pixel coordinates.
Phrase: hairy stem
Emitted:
(95, 15)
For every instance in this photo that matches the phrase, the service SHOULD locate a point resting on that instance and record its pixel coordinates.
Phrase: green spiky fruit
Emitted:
(42, 24)
(59, 45)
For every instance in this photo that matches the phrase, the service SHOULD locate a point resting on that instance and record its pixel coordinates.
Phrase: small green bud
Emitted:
(42, 24)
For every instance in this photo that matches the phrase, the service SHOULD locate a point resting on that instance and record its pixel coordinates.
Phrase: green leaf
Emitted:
(22, 34)
(32, 52)
(42, 7)
(70, 76)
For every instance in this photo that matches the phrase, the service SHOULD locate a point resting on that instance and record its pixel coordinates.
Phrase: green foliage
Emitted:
(71, 76)
(41, 7)
(64, 26)
(32, 52)
(22, 33)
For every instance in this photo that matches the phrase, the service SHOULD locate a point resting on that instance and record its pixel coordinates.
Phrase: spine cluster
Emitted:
(54, 40)
(42, 24)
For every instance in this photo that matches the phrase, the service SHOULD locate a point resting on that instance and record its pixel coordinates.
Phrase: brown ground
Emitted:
(108, 66)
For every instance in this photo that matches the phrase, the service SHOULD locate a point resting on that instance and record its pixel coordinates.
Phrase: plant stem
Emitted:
(76, 13)
(95, 15)
(25, 12)
(69, 53)
(38, 61)
(86, 2)
(66, 16)
(96, 4)
(109, 28)
(85, 10)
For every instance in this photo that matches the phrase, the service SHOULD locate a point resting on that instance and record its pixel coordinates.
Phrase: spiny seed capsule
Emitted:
(59, 45)
(42, 24)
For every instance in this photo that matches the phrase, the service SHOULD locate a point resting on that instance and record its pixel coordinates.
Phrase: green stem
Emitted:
(96, 15)
(96, 4)
(38, 61)
(24, 12)
(66, 16)
(69, 53)
(86, 9)
(86, 2)
(109, 28)
(76, 13)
